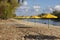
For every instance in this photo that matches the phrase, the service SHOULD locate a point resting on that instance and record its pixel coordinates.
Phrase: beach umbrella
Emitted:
(49, 16)
(35, 17)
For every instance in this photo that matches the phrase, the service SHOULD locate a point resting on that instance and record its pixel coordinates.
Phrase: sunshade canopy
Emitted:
(49, 16)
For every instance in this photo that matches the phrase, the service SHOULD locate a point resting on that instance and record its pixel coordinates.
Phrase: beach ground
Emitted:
(13, 29)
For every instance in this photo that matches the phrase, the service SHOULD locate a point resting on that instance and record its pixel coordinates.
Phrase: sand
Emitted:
(13, 29)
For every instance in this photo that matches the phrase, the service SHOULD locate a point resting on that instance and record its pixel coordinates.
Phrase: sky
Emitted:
(35, 7)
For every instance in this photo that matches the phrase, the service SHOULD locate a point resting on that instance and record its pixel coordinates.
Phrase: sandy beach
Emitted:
(13, 29)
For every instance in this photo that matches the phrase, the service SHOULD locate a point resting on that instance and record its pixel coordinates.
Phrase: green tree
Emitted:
(57, 13)
(7, 8)
(41, 14)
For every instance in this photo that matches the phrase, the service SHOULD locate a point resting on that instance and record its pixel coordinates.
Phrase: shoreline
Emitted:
(28, 23)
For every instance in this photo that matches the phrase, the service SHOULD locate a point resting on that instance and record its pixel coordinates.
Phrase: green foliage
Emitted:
(7, 8)
(14, 15)
(57, 13)
(41, 14)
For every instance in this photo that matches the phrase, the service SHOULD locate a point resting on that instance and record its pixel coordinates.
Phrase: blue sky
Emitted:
(35, 7)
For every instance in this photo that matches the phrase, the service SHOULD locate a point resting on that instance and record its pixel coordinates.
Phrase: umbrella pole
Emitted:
(48, 23)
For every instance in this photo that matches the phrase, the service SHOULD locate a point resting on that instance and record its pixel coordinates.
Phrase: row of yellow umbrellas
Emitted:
(48, 16)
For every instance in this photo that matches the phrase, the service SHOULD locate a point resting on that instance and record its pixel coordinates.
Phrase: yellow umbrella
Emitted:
(49, 16)
(35, 17)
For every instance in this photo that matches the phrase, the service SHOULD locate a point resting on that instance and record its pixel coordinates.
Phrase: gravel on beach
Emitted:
(18, 30)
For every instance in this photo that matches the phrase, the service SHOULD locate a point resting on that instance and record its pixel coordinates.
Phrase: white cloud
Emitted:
(57, 7)
(50, 9)
(36, 7)
(24, 7)
(25, 3)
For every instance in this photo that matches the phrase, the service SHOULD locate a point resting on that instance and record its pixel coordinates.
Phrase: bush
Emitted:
(7, 8)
